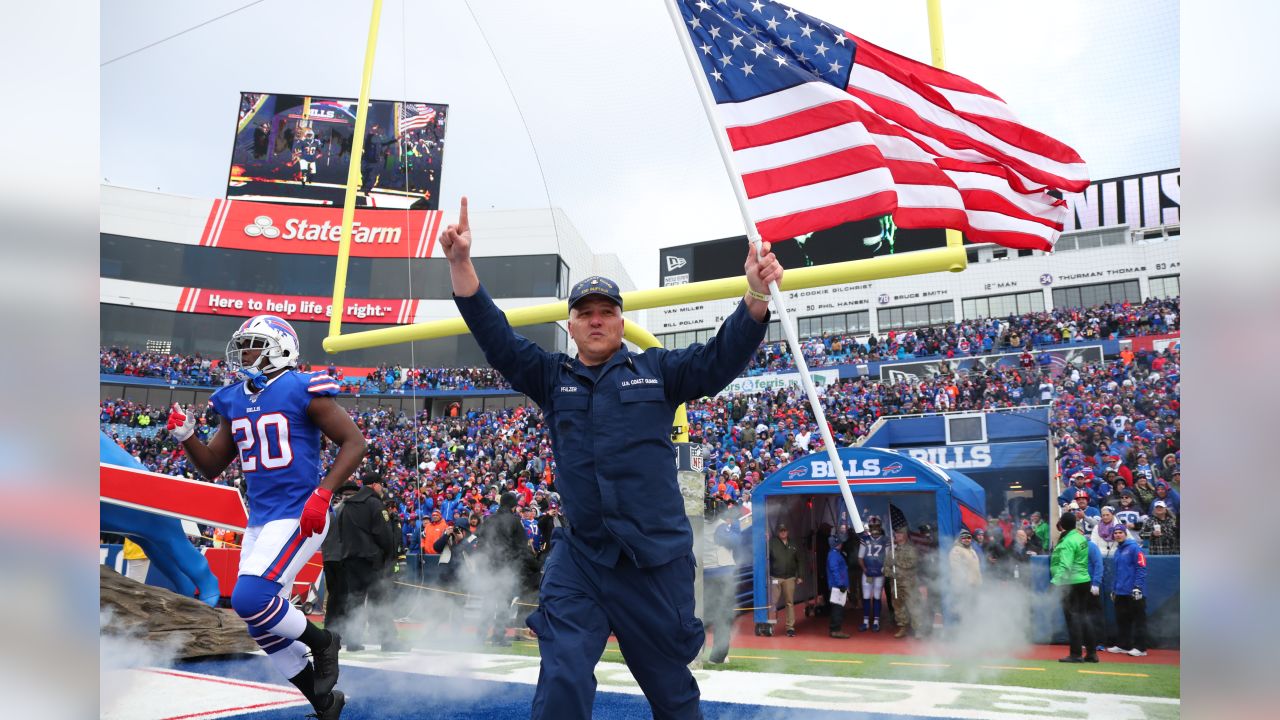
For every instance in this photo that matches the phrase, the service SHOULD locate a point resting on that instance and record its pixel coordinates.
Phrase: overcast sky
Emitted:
(611, 110)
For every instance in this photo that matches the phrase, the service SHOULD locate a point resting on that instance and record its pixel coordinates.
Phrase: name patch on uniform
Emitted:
(640, 381)
(568, 388)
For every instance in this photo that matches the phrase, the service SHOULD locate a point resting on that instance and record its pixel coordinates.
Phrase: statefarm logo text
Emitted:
(305, 230)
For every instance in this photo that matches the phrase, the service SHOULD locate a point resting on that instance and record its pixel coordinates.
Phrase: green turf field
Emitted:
(1162, 681)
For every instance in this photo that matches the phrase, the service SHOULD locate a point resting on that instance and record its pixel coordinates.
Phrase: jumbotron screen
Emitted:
(873, 237)
(297, 149)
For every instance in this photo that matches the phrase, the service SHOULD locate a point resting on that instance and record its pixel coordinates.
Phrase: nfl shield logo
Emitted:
(695, 458)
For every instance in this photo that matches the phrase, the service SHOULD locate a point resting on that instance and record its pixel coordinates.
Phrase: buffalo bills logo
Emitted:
(796, 472)
(280, 325)
(892, 469)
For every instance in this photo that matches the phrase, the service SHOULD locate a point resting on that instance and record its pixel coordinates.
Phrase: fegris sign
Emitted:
(761, 383)
(1059, 360)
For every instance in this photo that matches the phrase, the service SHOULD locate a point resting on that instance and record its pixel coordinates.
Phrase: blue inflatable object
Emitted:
(805, 493)
(160, 536)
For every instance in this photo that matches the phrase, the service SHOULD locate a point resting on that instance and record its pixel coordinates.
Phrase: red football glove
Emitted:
(181, 424)
(315, 512)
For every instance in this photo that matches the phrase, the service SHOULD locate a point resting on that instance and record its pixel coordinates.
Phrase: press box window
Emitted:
(914, 316)
(1086, 296)
(999, 306)
(1169, 286)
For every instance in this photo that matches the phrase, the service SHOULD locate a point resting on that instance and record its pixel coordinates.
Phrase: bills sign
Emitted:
(1059, 360)
(818, 471)
(312, 230)
(777, 381)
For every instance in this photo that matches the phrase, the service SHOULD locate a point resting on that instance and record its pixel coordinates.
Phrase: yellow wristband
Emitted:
(758, 296)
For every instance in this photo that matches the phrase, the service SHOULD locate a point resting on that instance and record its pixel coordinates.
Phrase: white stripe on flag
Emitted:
(779, 104)
(805, 147)
(822, 194)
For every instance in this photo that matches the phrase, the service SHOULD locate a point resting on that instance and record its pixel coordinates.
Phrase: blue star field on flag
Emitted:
(750, 49)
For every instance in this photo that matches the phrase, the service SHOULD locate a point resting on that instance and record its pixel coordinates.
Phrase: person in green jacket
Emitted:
(1040, 529)
(1069, 570)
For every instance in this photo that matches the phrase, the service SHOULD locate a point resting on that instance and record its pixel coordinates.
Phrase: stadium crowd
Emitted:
(979, 336)
(1115, 425)
(965, 338)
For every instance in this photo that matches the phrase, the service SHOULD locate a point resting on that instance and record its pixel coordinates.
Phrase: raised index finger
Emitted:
(463, 223)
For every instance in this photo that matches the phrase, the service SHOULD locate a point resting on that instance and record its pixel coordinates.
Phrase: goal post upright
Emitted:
(353, 178)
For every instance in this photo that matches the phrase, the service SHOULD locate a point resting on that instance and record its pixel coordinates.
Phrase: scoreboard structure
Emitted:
(862, 240)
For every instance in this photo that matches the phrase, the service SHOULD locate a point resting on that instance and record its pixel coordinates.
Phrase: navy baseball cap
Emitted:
(595, 285)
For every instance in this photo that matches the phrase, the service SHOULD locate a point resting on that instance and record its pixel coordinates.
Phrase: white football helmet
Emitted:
(274, 337)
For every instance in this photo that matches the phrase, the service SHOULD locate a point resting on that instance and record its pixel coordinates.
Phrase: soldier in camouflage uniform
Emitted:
(904, 564)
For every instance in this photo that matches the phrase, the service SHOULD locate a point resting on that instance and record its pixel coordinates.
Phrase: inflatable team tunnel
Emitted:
(805, 495)
(149, 508)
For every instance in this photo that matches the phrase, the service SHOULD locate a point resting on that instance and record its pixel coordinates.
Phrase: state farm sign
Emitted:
(267, 227)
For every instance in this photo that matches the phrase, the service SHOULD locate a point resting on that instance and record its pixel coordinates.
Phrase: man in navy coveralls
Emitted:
(623, 562)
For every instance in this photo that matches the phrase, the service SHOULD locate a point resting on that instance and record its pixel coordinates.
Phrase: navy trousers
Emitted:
(649, 610)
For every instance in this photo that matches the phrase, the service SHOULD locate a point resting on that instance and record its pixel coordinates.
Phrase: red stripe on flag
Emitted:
(795, 125)
(876, 57)
(907, 118)
(790, 226)
(991, 202)
(828, 167)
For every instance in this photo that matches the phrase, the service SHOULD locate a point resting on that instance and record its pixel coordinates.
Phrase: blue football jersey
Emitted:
(873, 553)
(307, 149)
(279, 445)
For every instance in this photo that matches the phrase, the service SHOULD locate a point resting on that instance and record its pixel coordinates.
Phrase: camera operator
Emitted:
(455, 547)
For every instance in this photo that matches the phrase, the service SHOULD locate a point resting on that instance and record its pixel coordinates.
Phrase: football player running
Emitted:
(273, 420)
(307, 151)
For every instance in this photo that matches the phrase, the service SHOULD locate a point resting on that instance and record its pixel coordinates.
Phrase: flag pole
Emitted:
(753, 236)
(893, 553)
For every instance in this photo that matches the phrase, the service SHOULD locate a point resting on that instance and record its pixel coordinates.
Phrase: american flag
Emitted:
(416, 115)
(827, 128)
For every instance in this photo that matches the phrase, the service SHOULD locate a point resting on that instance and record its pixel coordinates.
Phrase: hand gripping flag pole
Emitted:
(753, 236)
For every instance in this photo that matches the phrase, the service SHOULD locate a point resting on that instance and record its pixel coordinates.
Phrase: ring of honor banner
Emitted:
(1059, 361)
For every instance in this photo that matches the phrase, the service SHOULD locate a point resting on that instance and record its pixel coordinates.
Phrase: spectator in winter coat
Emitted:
(1170, 497)
(1069, 570)
(1128, 595)
(1103, 532)
(1160, 531)
(837, 580)
(432, 531)
(1143, 490)
(966, 574)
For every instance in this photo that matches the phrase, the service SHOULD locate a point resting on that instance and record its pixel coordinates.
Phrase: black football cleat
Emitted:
(326, 665)
(334, 711)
